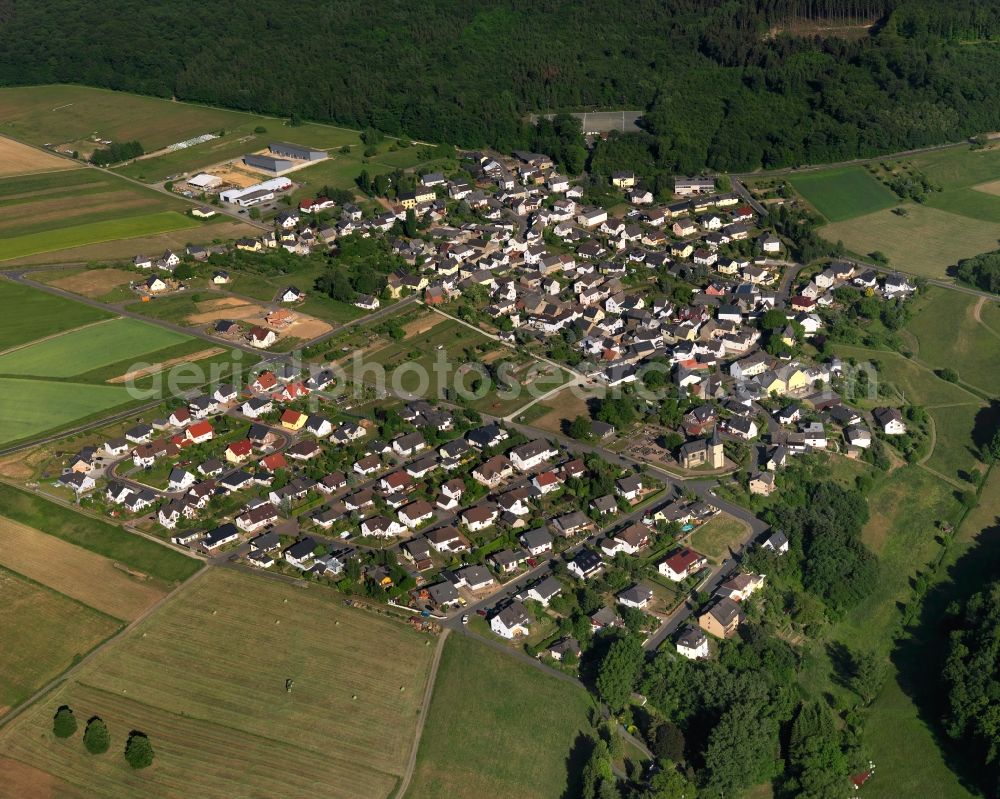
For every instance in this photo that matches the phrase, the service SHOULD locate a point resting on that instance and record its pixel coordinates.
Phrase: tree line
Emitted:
(718, 90)
(116, 152)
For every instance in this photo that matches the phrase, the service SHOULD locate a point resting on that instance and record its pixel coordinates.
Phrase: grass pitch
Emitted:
(205, 678)
(498, 727)
(843, 193)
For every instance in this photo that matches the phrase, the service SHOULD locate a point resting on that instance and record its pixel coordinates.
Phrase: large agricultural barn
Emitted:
(296, 151)
(283, 157)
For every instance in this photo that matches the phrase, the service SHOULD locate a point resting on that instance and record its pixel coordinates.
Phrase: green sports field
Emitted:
(76, 352)
(29, 314)
(843, 193)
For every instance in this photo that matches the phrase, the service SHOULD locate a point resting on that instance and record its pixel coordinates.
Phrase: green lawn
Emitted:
(990, 315)
(918, 383)
(925, 242)
(94, 233)
(903, 510)
(32, 407)
(75, 353)
(959, 167)
(96, 535)
(908, 753)
(498, 727)
(843, 193)
(715, 537)
(30, 314)
(908, 761)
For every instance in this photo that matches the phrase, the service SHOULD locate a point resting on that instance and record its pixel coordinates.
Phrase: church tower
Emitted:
(715, 449)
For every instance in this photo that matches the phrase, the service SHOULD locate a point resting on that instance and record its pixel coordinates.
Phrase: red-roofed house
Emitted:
(291, 391)
(239, 451)
(293, 420)
(200, 432)
(682, 564)
(274, 462)
(546, 482)
(265, 381)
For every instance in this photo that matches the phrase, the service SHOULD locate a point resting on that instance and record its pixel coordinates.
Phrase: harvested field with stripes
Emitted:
(205, 678)
(76, 572)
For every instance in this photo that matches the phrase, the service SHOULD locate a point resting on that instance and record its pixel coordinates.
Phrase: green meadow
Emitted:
(76, 352)
(30, 314)
(843, 193)
(94, 233)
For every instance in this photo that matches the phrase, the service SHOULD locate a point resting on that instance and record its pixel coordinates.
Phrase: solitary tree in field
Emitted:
(96, 737)
(64, 722)
(138, 750)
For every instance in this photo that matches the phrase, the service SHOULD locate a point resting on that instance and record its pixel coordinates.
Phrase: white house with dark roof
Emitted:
(511, 622)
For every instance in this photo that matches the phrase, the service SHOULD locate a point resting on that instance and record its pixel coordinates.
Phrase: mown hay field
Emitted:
(205, 678)
(75, 572)
(499, 727)
(925, 242)
(41, 633)
(137, 553)
(20, 159)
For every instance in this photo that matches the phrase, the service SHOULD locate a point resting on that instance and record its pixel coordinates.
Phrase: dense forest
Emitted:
(972, 675)
(723, 83)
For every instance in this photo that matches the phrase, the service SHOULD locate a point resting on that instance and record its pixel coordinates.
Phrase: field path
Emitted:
(411, 764)
(17, 711)
(977, 314)
(977, 310)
